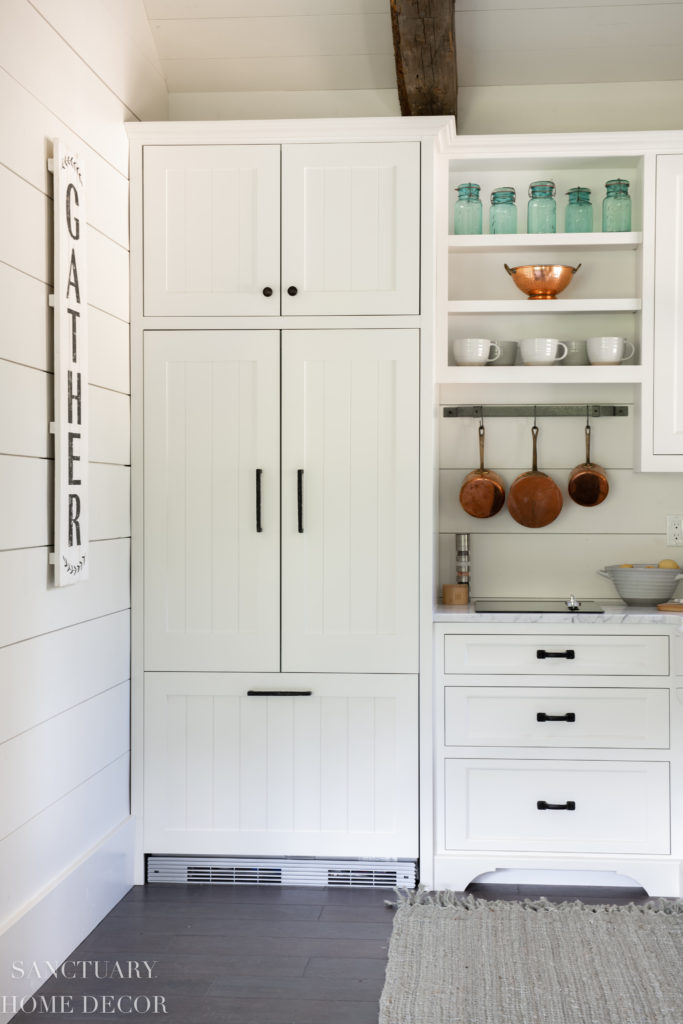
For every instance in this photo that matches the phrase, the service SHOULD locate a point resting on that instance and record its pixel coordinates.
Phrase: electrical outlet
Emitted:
(674, 531)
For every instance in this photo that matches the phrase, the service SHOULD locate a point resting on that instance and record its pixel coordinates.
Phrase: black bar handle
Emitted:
(300, 499)
(569, 655)
(279, 693)
(543, 805)
(542, 717)
(259, 524)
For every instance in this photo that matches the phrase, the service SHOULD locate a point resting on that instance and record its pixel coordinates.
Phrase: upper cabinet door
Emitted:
(350, 500)
(212, 501)
(212, 230)
(668, 348)
(351, 228)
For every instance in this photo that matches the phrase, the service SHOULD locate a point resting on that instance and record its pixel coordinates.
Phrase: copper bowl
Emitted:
(542, 282)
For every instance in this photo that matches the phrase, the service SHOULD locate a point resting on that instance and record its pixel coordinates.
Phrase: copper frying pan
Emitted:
(534, 499)
(482, 493)
(588, 483)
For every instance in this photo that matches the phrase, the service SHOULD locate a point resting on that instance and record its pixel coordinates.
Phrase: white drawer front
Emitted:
(620, 806)
(545, 716)
(557, 654)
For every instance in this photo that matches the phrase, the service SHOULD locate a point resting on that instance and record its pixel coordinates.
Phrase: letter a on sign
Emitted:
(70, 426)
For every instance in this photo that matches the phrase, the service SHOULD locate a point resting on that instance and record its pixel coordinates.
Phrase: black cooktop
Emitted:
(530, 604)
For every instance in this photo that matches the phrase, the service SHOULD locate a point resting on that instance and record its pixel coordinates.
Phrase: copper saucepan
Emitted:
(534, 499)
(588, 483)
(482, 493)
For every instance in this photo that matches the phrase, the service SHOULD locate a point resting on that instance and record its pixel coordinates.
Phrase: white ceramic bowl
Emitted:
(643, 584)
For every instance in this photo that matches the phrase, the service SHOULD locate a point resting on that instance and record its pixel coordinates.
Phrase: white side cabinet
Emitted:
(348, 236)
(557, 749)
(281, 765)
(667, 425)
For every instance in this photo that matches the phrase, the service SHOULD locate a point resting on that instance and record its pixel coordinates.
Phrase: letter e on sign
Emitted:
(70, 427)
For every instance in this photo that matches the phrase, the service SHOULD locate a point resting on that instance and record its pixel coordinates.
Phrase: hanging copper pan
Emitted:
(588, 483)
(482, 493)
(534, 499)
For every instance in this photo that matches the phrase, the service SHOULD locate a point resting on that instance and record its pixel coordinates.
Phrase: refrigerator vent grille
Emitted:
(283, 871)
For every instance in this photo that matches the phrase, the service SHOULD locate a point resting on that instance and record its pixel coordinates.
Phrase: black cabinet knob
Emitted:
(292, 290)
(267, 292)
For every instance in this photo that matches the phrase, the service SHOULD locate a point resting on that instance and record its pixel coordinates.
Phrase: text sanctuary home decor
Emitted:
(70, 426)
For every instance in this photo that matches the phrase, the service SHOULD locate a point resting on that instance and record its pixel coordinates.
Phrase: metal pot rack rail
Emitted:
(534, 411)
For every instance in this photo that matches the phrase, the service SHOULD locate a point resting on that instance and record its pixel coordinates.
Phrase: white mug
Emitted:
(474, 351)
(542, 351)
(608, 350)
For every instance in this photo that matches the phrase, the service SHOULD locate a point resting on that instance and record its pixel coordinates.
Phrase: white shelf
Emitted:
(604, 241)
(544, 306)
(554, 374)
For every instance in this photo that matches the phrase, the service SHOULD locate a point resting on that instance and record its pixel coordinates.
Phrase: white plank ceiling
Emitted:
(263, 45)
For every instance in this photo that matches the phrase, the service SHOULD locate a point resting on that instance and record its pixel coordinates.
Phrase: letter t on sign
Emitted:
(70, 304)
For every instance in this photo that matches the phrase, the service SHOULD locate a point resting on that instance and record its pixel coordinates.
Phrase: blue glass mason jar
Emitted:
(579, 213)
(503, 212)
(616, 206)
(467, 216)
(541, 210)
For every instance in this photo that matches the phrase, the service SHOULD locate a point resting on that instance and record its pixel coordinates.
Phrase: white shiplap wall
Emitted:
(509, 560)
(78, 70)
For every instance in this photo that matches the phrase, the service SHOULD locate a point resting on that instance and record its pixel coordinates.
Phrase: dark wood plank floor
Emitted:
(247, 955)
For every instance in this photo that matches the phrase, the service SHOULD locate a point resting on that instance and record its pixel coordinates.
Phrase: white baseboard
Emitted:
(51, 927)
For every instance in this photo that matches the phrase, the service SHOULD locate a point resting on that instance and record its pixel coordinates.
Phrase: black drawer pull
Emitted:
(543, 805)
(300, 500)
(569, 655)
(292, 290)
(259, 524)
(267, 292)
(279, 693)
(542, 717)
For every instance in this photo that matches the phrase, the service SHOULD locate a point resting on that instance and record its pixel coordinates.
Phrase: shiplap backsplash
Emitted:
(77, 71)
(509, 560)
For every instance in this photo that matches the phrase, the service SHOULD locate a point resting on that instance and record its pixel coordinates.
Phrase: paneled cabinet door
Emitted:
(668, 349)
(212, 230)
(350, 500)
(351, 228)
(211, 495)
(331, 771)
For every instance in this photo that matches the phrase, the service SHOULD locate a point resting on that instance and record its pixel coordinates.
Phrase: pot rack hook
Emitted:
(588, 416)
(534, 415)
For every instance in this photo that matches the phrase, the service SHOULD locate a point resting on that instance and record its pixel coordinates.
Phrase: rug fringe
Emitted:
(447, 898)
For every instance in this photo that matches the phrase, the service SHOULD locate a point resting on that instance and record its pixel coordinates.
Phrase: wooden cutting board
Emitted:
(671, 607)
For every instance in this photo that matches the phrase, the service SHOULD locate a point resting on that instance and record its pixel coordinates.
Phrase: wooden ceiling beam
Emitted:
(424, 50)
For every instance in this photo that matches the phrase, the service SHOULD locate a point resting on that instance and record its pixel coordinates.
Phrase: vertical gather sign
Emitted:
(70, 426)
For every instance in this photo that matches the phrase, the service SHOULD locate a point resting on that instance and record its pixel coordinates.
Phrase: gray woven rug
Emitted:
(460, 960)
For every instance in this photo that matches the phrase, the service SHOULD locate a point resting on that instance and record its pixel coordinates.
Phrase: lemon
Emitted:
(626, 565)
(668, 563)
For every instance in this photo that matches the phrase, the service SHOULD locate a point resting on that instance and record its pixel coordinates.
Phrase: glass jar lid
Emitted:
(579, 194)
(504, 194)
(617, 185)
(468, 190)
(542, 189)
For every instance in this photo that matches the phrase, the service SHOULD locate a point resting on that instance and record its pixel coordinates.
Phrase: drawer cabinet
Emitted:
(543, 654)
(544, 716)
(281, 764)
(558, 750)
(558, 806)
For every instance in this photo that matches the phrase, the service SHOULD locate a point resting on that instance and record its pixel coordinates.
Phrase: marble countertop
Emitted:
(613, 614)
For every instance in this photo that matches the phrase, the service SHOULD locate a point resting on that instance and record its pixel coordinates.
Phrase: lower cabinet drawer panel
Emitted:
(558, 654)
(545, 716)
(620, 806)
